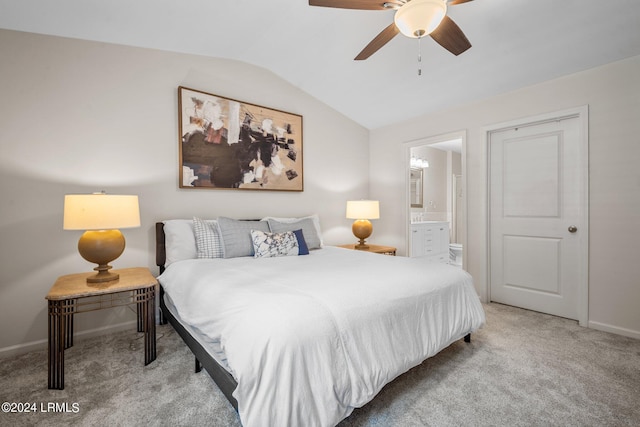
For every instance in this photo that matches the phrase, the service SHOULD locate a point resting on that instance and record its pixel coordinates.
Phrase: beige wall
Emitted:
(79, 116)
(612, 93)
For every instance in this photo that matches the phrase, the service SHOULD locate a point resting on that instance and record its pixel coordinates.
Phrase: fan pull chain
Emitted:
(419, 56)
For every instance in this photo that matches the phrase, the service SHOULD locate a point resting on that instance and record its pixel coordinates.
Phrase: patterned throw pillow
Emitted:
(208, 242)
(267, 244)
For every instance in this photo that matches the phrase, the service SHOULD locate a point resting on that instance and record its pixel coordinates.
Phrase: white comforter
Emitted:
(310, 338)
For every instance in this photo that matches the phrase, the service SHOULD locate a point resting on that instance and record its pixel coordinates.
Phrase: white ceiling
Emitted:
(516, 43)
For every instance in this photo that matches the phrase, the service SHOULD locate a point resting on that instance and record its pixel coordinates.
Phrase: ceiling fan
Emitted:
(413, 18)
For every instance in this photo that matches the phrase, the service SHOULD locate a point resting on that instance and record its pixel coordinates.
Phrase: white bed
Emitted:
(310, 338)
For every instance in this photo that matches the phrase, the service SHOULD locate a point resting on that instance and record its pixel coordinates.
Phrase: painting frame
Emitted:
(229, 144)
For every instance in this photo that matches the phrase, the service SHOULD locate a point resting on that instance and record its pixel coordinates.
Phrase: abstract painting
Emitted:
(230, 144)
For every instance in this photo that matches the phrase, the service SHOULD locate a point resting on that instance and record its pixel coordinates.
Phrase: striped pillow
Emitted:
(235, 236)
(208, 242)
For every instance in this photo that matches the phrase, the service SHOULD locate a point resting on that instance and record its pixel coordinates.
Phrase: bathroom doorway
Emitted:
(436, 183)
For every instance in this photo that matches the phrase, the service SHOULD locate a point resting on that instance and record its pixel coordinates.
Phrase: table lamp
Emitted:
(362, 211)
(101, 215)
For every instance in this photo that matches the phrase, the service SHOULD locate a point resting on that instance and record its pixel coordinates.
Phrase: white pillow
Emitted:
(179, 240)
(314, 218)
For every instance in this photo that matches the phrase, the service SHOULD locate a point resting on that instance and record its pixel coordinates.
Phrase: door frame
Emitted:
(582, 114)
(406, 155)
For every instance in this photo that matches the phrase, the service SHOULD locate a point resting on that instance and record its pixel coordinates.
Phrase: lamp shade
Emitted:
(363, 209)
(100, 211)
(419, 18)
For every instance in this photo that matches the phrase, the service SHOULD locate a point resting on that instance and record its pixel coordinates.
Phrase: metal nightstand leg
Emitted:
(146, 304)
(60, 338)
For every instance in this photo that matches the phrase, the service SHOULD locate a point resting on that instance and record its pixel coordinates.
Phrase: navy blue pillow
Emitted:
(302, 244)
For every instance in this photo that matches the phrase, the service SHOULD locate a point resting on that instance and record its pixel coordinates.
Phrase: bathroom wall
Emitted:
(455, 202)
(434, 184)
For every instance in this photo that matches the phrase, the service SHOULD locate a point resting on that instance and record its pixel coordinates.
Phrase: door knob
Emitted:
(573, 229)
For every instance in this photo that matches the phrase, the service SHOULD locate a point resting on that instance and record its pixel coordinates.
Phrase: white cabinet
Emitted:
(430, 240)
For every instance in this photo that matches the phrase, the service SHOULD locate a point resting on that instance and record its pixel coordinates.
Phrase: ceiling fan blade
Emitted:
(380, 40)
(450, 36)
(454, 2)
(351, 4)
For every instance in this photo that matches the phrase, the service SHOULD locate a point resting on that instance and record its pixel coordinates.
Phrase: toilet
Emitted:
(455, 254)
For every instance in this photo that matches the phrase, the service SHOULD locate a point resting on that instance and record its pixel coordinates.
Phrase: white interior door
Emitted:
(537, 175)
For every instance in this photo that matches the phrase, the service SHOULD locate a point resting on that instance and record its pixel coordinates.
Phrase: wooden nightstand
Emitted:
(378, 249)
(72, 294)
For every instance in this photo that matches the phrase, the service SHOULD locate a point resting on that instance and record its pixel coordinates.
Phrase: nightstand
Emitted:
(72, 294)
(378, 249)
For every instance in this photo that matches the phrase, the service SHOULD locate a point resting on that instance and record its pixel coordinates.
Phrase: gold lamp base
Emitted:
(362, 229)
(101, 247)
(103, 275)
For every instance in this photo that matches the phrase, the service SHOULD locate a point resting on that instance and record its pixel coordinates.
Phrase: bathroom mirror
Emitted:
(415, 180)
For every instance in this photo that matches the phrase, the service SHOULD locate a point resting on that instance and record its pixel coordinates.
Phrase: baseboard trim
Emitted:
(614, 329)
(18, 349)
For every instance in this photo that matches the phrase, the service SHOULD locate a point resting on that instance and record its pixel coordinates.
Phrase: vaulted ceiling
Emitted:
(516, 43)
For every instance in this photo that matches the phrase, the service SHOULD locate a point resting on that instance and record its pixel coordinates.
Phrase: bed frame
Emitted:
(224, 380)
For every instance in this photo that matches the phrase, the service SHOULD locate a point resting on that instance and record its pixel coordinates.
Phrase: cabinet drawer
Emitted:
(444, 259)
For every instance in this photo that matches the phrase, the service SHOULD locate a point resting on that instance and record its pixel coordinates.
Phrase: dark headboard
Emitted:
(161, 254)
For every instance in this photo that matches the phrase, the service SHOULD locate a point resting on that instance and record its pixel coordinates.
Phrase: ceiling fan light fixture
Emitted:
(419, 18)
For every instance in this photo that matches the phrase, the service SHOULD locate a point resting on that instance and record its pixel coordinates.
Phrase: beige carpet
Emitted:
(522, 369)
